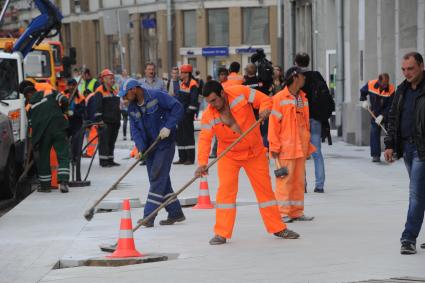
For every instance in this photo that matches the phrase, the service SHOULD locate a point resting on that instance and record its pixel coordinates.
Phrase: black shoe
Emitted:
(63, 187)
(287, 219)
(217, 240)
(423, 246)
(147, 225)
(113, 163)
(213, 156)
(44, 190)
(124, 138)
(317, 190)
(287, 234)
(407, 248)
(376, 159)
(143, 163)
(171, 221)
(179, 162)
(107, 165)
(188, 163)
(303, 218)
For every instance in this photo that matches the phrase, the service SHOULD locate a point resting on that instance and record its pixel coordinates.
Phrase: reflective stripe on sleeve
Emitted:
(38, 103)
(152, 103)
(251, 95)
(277, 114)
(236, 101)
(287, 102)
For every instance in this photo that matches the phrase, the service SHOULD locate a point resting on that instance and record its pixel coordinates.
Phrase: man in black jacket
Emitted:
(320, 108)
(406, 137)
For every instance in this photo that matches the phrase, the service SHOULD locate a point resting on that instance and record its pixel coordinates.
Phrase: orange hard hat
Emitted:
(186, 68)
(106, 72)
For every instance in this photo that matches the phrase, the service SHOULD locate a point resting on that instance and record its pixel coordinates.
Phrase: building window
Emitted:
(97, 44)
(218, 27)
(149, 39)
(256, 26)
(189, 25)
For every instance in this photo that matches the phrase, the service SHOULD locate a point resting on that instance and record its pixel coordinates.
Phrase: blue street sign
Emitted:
(149, 23)
(215, 51)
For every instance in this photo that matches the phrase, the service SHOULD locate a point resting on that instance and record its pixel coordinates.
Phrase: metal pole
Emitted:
(119, 41)
(169, 37)
(3, 11)
(340, 64)
(293, 33)
(279, 34)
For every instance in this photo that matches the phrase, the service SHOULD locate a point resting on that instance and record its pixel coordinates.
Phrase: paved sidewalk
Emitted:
(355, 235)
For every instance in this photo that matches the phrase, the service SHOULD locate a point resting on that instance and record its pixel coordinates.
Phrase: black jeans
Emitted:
(124, 115)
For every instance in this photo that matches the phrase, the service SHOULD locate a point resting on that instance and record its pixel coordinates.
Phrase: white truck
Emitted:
(13, 134)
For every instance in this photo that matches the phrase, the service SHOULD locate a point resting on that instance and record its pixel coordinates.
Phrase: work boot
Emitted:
(376, 159)
(287, 219)
(171, 221)
(303, 218)
(44, 189)
(217, 240)
(179, 162)
(423, 246)
(287, 234)
(408, 248)
(147, 225)
(318, 190)
(63, 187)
(188, 162)
(113, 163)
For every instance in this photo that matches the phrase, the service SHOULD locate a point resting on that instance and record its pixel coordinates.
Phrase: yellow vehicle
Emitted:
(39, 64)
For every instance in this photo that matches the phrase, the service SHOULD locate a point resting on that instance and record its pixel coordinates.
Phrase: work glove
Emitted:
(379, 119)
(164, 133)
(264, 114)
(365, 104)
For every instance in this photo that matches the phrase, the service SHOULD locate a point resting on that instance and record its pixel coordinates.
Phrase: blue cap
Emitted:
(127, 85)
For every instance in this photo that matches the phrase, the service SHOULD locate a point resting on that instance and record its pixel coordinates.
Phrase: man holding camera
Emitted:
(289, 138)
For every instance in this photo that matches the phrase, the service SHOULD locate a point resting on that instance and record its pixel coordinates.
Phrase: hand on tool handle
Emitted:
(365, 104)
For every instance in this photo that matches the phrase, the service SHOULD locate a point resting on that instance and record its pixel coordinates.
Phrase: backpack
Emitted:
(321, 102)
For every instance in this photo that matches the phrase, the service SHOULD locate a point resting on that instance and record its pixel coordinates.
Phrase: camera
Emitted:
(264, 67)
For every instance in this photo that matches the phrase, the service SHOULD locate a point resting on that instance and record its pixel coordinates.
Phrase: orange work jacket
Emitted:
(284, 136)
(241, 100)
(234, 79)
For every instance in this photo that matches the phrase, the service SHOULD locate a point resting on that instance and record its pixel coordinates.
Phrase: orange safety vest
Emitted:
(105, 92)
(46, 87)
(241, 100)
(375, 90)
(283, 135)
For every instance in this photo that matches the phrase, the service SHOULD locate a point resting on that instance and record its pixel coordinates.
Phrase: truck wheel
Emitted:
(8, 184)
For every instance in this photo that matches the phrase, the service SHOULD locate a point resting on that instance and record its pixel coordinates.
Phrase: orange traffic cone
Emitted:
(126, 246)
(204, 201)
(54, 168)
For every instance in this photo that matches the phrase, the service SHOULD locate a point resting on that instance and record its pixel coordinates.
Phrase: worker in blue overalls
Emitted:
(154, 113)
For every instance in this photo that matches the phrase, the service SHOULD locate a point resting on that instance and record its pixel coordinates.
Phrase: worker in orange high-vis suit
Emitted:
(89, 117)
(228, 115)
(234, 78)
(289, 139)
